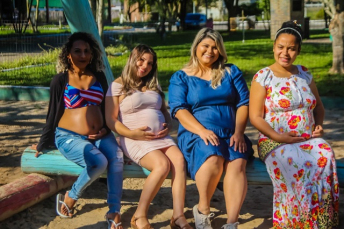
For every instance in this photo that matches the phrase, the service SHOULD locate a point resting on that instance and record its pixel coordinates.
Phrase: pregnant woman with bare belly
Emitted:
(136, 110)
(76, 125)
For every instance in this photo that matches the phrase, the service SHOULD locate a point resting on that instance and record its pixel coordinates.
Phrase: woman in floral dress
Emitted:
(286, 108)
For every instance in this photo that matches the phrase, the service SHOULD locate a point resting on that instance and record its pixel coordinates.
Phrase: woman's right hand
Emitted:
(141, 134)
(289, 138)
(34, 147)
(208, 135)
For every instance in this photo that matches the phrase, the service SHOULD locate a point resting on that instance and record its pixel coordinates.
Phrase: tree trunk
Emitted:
(231, 12)
(337, 31)
(109, 19)
(100, 24)
(0, 13)
(47, 10)
(93, 6)
(36, 16)
(183, 4)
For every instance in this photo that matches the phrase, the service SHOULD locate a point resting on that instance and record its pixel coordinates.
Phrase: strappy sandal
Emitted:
(173, 224)
(133, 223)
(59, 203)
(111, 221)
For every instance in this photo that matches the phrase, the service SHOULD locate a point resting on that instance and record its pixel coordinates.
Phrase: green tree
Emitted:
(20, 11)
(264, 6)
(205, 3)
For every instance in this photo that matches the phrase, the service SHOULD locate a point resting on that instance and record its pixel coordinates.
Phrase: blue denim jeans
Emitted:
(94, 156)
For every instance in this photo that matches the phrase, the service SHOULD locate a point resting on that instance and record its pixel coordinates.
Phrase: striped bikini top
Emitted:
(77, 98)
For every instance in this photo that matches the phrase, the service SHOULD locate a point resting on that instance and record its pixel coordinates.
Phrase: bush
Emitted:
(115, 20)
(320, 14)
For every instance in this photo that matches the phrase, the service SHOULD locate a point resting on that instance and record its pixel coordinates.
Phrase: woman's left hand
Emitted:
(239, 143)
(318, 132)
(163, 133)
(98, 135)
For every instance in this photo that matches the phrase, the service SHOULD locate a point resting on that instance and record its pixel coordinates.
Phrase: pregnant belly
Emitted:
(151, 118)
(302, 127)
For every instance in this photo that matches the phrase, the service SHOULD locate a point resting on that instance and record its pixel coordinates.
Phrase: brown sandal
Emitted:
(133, 223)
(173, 224)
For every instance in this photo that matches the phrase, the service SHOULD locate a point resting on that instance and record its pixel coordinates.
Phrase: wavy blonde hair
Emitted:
(219, 68)
(96, 64)
(129, 74)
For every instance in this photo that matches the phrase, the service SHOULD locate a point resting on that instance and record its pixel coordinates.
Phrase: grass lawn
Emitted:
(173, 52)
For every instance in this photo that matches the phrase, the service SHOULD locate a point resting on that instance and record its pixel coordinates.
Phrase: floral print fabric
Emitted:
(303, 174)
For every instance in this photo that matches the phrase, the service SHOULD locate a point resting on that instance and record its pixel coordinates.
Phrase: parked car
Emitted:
(195, 20)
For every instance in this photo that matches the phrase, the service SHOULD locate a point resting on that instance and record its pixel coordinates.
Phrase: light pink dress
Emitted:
(137, 110)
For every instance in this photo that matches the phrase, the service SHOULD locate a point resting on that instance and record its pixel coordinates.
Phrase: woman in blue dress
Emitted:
(210, 100)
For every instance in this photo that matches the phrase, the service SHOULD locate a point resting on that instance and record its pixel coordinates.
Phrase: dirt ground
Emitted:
(21, 125)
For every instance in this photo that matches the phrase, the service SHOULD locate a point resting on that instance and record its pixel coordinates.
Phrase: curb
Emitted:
(24, 93)
(29, 190)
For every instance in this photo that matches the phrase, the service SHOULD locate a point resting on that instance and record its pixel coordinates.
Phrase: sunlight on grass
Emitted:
(174, 52)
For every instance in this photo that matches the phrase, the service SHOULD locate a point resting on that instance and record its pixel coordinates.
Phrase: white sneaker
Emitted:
(202, 221)
(231, 225)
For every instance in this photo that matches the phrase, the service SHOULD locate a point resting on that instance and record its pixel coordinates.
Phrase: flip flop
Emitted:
(110, 222)
(59, 203)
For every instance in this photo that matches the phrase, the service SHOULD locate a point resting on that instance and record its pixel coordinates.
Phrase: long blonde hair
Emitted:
(129, 74)
(219, 67)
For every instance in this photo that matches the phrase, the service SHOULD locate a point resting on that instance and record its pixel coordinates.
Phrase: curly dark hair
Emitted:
(291, 27)
(96, 64)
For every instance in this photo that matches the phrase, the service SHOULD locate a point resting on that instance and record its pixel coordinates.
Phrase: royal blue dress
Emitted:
(215, 109)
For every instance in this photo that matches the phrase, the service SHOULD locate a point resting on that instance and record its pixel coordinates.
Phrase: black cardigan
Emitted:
(56, 108)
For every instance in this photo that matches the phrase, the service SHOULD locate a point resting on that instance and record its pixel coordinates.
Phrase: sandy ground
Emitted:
(20, 126)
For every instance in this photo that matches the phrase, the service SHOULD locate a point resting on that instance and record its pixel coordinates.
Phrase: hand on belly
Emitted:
(153, 120)
(155, 127)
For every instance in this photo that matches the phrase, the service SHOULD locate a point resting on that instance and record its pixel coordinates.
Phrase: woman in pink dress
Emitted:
(286, 108)
(136, 110)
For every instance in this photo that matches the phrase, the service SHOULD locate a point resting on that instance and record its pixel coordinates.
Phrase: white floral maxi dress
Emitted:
(304, 177)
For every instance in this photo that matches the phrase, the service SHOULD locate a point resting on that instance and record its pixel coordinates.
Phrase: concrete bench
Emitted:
(52, 162)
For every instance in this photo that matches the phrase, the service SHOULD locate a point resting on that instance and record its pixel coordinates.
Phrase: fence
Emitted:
(37, 55)
(27, 47)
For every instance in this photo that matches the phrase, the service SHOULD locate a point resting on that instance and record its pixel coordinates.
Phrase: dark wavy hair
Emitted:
(291, 27)
(96, 64)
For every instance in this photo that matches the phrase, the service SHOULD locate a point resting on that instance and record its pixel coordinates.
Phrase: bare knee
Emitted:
(178, 162)
(162, 167)
(236, 167)
(214, 164)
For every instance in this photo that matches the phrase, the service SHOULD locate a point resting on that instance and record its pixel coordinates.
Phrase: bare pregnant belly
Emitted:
(84, 121)
(147, 117)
